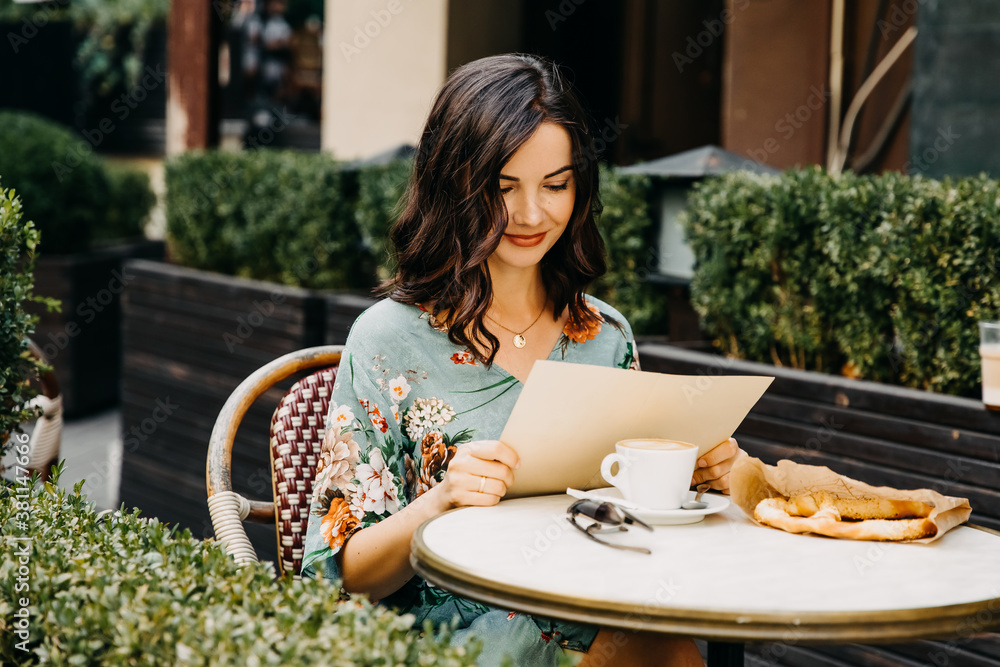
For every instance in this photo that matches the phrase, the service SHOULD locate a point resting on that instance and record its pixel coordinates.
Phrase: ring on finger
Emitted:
(482, 484)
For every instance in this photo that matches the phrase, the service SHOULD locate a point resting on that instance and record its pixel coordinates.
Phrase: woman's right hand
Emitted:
(479, 474)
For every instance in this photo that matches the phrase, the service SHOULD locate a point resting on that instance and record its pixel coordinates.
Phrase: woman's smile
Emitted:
(525, 241)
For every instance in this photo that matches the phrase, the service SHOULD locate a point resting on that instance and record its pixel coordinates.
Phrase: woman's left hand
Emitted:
(713, 468)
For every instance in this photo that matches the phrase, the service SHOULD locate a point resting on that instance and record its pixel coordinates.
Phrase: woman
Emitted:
(494, 247)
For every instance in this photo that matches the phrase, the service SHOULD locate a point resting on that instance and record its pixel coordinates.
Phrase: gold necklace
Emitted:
(519, 340)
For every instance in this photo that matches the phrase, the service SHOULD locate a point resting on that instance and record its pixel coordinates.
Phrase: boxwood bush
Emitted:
(629, 233)
(269, 215)
(18, 246)
(380, 190)
(126, 590)
(68, 191)
(131, 200)
(880, 277)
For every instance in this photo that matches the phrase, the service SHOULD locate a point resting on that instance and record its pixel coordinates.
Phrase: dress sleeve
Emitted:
(362, 472)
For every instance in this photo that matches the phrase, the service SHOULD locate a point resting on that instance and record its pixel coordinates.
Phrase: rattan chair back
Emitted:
(297, 430)
(296, 438)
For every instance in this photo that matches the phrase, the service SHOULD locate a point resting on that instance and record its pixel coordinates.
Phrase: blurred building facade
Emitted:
(659, 77)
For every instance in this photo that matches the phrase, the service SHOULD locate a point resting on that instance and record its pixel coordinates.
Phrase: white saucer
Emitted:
(716, 503)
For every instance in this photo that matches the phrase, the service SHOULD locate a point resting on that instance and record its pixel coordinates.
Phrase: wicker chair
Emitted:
(296, 437)
(46, 437)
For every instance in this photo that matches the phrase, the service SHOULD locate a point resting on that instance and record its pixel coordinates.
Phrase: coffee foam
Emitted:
(656, 445)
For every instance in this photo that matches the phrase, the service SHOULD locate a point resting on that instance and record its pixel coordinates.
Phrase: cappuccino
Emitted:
(656, 445)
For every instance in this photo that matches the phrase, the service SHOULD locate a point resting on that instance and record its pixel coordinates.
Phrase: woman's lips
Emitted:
(525, 241)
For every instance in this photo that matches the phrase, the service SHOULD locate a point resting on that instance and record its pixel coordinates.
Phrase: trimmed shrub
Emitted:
(629, 234)
(269, 215)
(880, 277)
(64, 185)
(286, 217)
(131, 198)
(72, 196)
(126, 590)
(380, 191)
(18, 246)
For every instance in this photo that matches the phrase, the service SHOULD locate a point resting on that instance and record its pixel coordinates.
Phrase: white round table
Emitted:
(724, 579)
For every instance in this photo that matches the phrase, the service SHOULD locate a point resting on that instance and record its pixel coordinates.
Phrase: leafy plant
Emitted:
(269, 215)
(126, 590)
(131, 200)
(70, 193)
(380, 190)
(628, 231)
(18, 245)
(880, 277)
(114, 36)
(65, 206)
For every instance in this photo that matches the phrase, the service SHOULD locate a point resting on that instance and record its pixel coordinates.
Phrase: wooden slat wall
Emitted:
(82, 341)
(878, 434)
(189, 339)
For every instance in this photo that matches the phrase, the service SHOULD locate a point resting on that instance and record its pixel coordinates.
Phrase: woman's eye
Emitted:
(557, 188)
(504, 191)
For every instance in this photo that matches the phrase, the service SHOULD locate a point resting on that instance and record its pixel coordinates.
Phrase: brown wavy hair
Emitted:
(454, 217)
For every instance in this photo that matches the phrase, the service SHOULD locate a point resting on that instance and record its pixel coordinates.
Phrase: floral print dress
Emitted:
(405, 399)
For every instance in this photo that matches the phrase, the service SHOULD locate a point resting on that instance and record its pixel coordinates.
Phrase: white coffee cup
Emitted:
(654, 473)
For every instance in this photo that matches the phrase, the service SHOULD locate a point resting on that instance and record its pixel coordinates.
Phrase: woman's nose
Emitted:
(527, 210)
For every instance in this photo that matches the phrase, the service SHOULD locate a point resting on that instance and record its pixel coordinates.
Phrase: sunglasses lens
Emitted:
(600, 512)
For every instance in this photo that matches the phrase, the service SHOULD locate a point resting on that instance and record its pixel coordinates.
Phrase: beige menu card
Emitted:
(569, 417)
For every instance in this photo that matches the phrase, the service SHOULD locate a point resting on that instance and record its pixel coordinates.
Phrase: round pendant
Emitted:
(519, 341)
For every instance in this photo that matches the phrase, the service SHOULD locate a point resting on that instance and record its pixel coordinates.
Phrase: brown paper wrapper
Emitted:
(751, 480)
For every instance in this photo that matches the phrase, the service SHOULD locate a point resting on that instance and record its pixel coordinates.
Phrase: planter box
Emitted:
(879, 434)
(83, 341)
(190, 337)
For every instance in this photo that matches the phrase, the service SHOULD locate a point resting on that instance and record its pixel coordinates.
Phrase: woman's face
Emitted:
(538, 190)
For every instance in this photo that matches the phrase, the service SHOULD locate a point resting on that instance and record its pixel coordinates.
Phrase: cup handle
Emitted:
(616, 480)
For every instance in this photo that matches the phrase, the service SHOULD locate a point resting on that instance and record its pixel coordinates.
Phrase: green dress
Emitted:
(405, 398)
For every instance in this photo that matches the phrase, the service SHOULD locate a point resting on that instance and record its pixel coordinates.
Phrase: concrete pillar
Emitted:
(383, 62)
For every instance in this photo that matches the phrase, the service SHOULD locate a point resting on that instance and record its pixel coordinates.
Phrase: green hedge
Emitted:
(380, 190)
(629, 232)
(879, 277)
(18, 246)
(70, 193)
(127, 590)
(269, 215)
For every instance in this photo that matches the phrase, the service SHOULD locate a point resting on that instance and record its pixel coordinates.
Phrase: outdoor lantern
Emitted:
(672, 178)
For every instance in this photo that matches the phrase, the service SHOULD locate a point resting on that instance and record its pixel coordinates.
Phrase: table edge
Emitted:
(843, 626)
